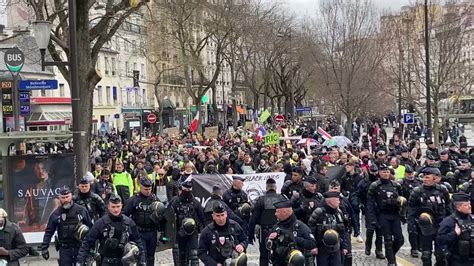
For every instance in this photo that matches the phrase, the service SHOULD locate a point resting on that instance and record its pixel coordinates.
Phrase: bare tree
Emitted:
(92, 34)
(351, 54)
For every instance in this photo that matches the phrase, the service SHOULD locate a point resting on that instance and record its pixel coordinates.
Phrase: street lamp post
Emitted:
(42, 31)
(428, 80)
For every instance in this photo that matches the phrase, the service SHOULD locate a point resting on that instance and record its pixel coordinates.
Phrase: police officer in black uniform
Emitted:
(237, 199)
(89, 200)
(289, 237)
(456, 233)
(328, 225)
(463, 174)
(445, 164)
(292, 188)
(12, 242)
(216, 199)
(264, 215)
(431, 149)
(221, 239)
(468, 188)
(383, 211)
(146, 211)
(360, 197)
(408, 184)
(104, 187)
(308, 201)
(189, 218)
(66, 220)
(426, 209)
(114, 232)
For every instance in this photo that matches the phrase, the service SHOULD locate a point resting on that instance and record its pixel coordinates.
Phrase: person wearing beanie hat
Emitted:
(216, 199)
(104, 187)
(12, 244)
(292, 188)
(454, 232)
(93, 203)
(67, 216)
(264, 215)
(435, 198)
(383, 212)
(187, 223)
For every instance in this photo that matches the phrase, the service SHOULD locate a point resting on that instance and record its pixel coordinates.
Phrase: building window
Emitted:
(97, 64)
(117, 43)
(107, 66)
(134, 46)
(142, 71)
(137, 96)
(61, 90)
(107, 94)
(127, 69)
(114, 95)
(125, 45)
(99, 95)
(113, 67)
(43, 93)
(135, 66)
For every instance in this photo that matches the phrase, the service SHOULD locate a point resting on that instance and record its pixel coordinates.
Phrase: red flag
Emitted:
(194, 124)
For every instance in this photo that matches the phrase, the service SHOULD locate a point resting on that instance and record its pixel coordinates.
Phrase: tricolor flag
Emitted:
(326, 136)
(261, 133)
(194, 124)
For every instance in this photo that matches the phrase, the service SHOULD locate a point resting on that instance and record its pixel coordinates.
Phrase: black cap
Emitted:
(310, 180)
(404, 149)
(115, 199)
(332, 194)
(383, 167)
(298, 170)
(270, 181)
(431, 157)
(65, 191)
(431, 171)
(283, 204)
(218, 208)
(429, 141)
(105, 172)
(409, 169)
(461, 197)
(216, 188)
(236, 177)
(451, 145)
(463, 145)
(444, 152)
(146, 182)
(187, 184)
(84, 181)
(373, 168)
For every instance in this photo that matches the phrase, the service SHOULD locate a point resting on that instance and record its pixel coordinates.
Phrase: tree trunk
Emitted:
(214, 105)
(272, 101)
(348, 126)
(279, 104)
(255, 100)
(234, 113)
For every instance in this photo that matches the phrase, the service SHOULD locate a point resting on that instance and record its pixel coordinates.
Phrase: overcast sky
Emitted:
(308, 7)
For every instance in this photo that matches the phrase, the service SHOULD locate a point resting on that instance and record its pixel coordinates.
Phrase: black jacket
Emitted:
(13, 241)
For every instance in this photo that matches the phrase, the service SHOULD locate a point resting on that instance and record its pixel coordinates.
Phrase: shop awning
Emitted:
(48, 118)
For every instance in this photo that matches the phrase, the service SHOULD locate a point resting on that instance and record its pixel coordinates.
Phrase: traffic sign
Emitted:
(48, 84)
(151, 118)
(303, 109)
(409, 118)
(14, 59)
(279, 118)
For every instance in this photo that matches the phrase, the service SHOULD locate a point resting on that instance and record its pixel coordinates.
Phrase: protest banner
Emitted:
(254, 185)
(272, 138)
(211, 132)
(171, 131)
(31, 185)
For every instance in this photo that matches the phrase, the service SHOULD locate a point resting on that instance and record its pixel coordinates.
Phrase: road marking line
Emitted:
(404, 262)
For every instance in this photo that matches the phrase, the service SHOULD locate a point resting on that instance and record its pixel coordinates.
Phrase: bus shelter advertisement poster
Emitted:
(33, 184)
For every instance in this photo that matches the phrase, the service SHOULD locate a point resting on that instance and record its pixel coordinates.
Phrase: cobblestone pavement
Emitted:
(165, 258)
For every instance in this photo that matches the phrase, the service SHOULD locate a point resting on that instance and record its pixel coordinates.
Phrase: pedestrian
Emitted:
(89, 200)
(12, 242)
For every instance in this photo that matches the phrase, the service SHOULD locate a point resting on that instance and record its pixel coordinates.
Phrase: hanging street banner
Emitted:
(254, 184)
